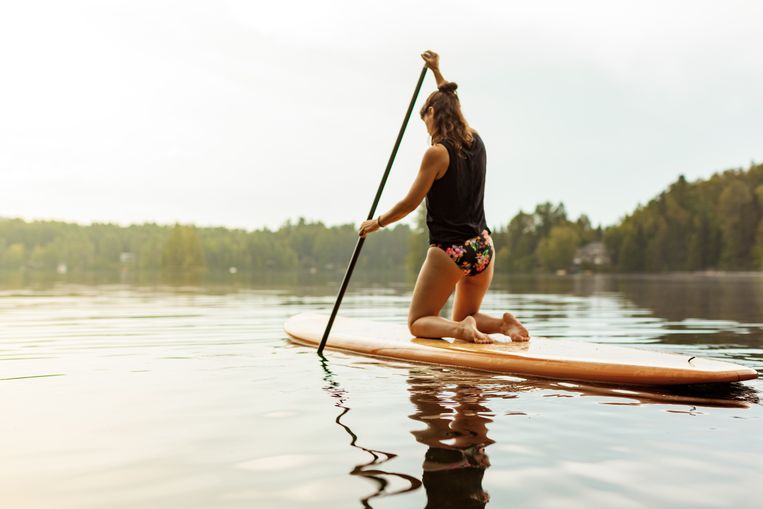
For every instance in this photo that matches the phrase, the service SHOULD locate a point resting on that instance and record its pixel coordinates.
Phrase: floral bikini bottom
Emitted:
(473, 255)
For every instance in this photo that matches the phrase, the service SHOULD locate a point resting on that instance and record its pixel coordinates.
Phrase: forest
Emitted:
(712, 224)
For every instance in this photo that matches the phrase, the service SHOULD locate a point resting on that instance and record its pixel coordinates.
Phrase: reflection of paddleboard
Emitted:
(547, 358)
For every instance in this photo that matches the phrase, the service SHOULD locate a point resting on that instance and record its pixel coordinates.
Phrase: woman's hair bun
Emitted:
(451, 86)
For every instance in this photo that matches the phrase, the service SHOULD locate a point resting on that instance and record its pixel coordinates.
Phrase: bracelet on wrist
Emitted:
(378, 221)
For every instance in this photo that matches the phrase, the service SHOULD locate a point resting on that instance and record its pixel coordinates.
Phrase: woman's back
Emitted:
(455, 202)
(460, 256)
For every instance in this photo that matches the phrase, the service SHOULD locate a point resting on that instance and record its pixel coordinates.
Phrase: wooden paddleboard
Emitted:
(539, 357)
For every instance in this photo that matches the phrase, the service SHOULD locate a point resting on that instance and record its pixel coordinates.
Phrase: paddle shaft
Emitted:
(361, 240)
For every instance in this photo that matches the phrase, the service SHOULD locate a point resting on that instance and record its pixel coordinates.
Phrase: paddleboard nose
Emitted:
(746, 374)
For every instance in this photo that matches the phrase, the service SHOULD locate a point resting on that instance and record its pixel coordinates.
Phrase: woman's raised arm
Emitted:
(432, 60)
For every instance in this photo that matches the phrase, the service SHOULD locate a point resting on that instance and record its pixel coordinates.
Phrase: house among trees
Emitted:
(591, 255)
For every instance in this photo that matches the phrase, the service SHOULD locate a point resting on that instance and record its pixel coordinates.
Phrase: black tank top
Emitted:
(455, 209)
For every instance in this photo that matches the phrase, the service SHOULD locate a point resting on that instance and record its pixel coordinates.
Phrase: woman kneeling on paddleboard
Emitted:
(460, 255)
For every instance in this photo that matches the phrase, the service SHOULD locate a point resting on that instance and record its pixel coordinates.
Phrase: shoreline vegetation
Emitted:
(704, 226)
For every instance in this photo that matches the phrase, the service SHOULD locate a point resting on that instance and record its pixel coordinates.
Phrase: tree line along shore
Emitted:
(708, 224)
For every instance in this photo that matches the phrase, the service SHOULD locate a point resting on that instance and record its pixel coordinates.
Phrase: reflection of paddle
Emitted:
(361, 240)
(378, 457)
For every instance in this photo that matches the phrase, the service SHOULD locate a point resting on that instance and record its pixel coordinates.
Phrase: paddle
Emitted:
(361, 240)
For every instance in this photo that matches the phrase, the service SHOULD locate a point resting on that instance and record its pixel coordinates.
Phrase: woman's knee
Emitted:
(412, 327)
(412, 320)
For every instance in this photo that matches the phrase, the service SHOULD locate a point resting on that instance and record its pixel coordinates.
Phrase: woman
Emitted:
(452, 177)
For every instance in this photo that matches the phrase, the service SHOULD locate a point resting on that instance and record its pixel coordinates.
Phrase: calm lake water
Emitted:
(117, 396)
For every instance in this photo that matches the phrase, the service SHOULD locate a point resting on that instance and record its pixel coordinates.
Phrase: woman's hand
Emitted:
(432, 59)
(367, 227)
(433, 62)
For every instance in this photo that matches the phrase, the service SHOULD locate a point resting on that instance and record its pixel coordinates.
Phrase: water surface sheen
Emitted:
(123, 396)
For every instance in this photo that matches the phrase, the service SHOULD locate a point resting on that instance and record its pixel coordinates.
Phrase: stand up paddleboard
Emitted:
(539, 357)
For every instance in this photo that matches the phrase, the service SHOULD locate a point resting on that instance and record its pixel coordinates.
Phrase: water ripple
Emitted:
(118, 396)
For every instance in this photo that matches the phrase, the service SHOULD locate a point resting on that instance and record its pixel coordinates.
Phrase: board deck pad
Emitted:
(539, 357)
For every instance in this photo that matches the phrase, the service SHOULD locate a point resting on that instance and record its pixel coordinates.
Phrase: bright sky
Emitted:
(249, 113)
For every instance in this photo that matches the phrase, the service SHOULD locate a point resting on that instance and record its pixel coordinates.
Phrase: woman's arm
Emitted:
(435, 161)
(432, 60)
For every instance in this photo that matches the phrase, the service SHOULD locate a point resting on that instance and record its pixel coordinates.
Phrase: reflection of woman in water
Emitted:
(455, 416)
(456, 434)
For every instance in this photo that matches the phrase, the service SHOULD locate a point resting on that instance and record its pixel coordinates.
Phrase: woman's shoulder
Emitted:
(441, 149)
(438, 148)
(438, 154)
(477, 142)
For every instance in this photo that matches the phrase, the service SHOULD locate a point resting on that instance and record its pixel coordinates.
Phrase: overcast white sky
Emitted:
(249, 113)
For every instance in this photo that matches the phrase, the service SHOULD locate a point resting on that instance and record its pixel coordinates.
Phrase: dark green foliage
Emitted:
(703, 225)
(182, 251)
(707, 224)
(418, 243)
(48, 246)
(544, 240)
(557, 251)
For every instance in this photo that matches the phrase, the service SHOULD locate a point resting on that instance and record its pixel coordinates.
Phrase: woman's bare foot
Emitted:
(468, 331)
(512, 328)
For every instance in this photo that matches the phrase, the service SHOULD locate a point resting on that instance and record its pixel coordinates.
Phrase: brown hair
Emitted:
(449, 122)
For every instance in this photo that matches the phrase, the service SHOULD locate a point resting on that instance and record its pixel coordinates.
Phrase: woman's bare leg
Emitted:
(437, 278)
(469, 294)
